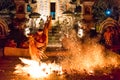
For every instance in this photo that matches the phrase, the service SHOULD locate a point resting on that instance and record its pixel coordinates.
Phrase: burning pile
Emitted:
(87, 55)
(37, 69)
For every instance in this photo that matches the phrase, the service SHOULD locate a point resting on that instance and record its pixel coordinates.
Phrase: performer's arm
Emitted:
(48, 23)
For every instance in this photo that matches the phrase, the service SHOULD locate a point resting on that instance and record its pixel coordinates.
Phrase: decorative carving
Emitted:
(109, 22)
(7, 4)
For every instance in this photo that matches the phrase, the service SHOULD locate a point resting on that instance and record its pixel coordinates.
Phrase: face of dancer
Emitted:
(40, 32)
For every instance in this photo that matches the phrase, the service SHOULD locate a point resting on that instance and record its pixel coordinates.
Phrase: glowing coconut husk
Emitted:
(37, 69)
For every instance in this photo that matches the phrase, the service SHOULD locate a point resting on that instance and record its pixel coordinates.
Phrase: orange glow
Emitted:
(87, 56)
(83, 57)
(37, 69)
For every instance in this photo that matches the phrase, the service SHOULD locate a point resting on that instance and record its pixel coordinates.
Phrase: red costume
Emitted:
(38, 42)
(40, 38)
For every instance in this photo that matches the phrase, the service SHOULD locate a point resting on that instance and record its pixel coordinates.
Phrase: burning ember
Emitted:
(37, 69)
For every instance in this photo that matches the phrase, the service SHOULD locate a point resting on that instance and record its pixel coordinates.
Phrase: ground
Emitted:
(7, 65)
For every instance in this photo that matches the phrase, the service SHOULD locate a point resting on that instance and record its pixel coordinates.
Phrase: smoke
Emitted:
(86, 55)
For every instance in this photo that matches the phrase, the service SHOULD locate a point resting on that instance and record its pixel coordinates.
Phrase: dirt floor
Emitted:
(7, 65)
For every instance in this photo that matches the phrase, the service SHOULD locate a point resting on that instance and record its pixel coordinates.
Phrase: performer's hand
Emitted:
(50, 17)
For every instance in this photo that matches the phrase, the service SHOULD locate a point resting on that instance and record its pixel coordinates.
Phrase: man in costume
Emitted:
(38, 41)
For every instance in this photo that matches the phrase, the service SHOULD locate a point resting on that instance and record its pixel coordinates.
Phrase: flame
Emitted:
(87, 55)
(37, 69)
(83, 57)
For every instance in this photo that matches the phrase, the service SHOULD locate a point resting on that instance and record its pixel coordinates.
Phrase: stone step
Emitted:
(54, 37)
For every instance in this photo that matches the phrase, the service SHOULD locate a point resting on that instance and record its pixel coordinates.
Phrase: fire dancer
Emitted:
(39, 41)
(37, 44)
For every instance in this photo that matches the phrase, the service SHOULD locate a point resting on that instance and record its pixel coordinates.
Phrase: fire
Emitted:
(37, 69)
(86, 56)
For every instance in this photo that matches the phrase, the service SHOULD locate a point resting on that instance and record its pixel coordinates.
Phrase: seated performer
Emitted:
(107, 36)
(11, 43)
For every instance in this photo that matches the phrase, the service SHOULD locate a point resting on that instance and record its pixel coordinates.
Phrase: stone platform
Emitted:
(50, 51)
